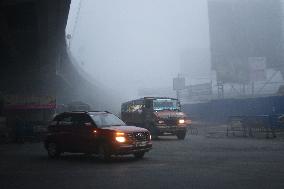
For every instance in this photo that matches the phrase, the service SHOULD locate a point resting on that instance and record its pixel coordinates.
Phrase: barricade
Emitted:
(249, 126)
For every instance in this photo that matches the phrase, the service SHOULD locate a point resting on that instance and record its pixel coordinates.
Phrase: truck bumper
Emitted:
(170, 130)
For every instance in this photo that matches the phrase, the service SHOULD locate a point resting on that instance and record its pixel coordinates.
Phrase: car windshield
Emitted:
(165, 104)
(106, 120)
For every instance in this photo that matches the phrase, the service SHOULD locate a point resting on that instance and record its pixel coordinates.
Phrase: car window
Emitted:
(66, 121)
(81, 119)
(106, 120)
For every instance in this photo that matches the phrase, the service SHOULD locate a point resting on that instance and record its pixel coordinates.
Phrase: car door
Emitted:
(85, 133)
(66, 124)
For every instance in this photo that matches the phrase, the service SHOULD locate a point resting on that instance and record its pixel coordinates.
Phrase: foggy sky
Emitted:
(132, 44)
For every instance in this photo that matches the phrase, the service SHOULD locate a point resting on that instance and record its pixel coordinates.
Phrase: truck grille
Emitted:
(171, 122)
(139, 136)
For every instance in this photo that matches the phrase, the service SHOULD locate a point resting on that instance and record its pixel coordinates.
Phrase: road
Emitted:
(197, 162)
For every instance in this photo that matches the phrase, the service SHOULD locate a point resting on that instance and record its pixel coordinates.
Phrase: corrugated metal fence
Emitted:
(219, 111)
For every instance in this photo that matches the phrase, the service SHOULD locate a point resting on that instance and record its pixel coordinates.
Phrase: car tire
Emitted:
(139, 155)
(181, 135)
(53, 150)
(104, 152)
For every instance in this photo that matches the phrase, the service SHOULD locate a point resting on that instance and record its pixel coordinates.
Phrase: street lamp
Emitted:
(68, 37)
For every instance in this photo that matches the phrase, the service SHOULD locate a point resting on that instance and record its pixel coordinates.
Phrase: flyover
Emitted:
(34, 58)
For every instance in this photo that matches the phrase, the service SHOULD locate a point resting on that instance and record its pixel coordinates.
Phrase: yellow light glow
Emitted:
(120, 139)
(181, 121)
(119, 134)
(189, 122)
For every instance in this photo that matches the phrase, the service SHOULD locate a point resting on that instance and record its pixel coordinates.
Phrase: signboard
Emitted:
(233, 70)
(178, 83)
(200, 89)
(29, 102)
(196, 93)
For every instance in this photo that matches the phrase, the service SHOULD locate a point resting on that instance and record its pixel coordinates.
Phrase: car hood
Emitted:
(126, 129)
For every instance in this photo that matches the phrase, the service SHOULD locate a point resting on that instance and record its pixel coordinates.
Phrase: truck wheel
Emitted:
(154, 137)
(53, 150)
(154, 132)
(181, 135)
(139, 155)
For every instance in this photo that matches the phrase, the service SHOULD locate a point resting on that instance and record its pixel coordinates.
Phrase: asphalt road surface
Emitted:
(196, 162)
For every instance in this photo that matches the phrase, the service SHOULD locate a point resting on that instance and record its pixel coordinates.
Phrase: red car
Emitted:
(95, 132)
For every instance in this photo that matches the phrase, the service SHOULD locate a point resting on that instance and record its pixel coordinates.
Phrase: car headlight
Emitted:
(120, 139)
(181, 121)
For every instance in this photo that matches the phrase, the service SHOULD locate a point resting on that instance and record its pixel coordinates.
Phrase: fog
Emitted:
(128, 45)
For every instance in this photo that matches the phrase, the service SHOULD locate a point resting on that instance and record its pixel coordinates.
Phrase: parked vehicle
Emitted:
(160, 115)
(95, 132)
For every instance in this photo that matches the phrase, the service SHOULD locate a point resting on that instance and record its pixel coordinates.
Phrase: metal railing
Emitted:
(249, 126)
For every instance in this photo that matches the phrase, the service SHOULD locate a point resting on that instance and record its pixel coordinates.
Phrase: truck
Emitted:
(160, 115)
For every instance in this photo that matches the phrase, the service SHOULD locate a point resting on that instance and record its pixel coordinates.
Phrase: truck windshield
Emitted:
(165, 104)
(106, 120)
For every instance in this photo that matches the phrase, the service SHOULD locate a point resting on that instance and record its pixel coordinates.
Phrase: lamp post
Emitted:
(68, 37)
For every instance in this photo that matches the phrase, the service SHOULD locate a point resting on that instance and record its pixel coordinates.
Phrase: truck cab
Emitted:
(160, 115)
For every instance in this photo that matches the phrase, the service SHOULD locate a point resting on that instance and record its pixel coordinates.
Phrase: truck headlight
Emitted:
(181, 121)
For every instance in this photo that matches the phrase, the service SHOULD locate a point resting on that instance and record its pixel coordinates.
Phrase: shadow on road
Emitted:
(166, 138)
(82, 158)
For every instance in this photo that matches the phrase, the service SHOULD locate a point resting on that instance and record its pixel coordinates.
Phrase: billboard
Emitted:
(196, 93)
(257, 66)
(200, 89)
(29, 102)
(243, 29)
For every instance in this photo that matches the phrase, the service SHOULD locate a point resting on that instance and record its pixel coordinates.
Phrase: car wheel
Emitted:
(181, 136)
(53, 150)
(104, 152)
(139, 155)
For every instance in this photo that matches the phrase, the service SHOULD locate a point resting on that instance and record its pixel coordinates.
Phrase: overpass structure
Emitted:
(32, 39)
(36, 67)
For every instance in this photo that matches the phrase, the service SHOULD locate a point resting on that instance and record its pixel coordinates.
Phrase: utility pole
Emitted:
(178, 85)
(220, 87)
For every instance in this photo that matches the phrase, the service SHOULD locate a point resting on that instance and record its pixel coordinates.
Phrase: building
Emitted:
(244, 30)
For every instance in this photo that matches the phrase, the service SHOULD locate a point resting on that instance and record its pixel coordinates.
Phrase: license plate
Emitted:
(140, 144)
